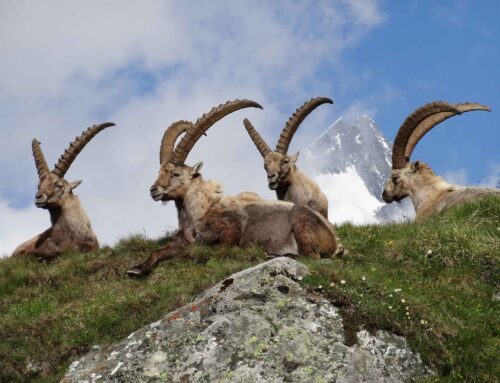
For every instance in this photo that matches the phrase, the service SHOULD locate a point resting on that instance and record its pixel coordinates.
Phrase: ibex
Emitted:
(71, 228)
(283, 176)
(207, 217)
(429, 193)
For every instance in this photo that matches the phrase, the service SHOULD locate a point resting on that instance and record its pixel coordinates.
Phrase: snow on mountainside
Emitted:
(351, 162)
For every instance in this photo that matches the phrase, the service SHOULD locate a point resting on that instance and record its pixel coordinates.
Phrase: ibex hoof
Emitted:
(137, 272)
(340, 252)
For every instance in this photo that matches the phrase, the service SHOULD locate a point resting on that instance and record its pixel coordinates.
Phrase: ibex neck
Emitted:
(200, 197)
(284, 184)
(281, 191)
(71, 217)
(427, 190)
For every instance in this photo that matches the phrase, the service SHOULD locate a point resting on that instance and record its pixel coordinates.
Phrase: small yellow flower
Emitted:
(342, 282)
(403, 301)
(363, 278)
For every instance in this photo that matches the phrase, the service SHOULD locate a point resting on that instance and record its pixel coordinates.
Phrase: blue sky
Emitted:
(147, 64)
(429, 51)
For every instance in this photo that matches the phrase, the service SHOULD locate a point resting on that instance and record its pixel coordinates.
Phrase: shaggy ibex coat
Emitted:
(429, 193)
(71, 228)
(283, 176)
(206, 216)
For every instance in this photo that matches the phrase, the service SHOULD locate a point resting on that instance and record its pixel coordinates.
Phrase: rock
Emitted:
(258, 325)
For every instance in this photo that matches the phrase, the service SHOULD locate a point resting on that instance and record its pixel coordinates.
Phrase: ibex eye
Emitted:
(287, 161)
(176, 175)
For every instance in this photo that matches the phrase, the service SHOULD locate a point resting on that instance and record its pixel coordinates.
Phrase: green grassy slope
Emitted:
(432, 282)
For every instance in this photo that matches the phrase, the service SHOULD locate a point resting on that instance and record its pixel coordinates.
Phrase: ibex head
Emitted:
(406, 175)
(278, 164)
(53, 189)
(175, 177)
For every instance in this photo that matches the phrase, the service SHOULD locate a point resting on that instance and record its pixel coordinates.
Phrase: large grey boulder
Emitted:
(258, 325)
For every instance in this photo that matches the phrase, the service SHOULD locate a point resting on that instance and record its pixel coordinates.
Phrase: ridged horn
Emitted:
(203, 124)
(76, 146)
(296, 119)
(412, 123)
(41, 165)
(431, 121)
(256, 138)
(169, 138)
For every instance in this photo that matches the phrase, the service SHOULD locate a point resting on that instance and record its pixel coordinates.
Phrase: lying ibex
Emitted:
(207, 217)
(283, 176)
(429, 193)
(71, 228)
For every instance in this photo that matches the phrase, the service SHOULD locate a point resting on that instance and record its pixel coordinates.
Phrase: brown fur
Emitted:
(71, 228)
(207, 217)
(293, 185)
(429, 193)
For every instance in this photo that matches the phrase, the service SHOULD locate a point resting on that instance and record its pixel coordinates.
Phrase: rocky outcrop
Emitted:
(259, 325)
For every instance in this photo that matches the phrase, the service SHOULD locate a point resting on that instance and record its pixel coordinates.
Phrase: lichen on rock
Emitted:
(256, 326)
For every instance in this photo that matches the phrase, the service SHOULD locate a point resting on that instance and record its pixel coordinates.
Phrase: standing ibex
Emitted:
(283, 176)
(429, 193)
(71, 228)
(207, 217)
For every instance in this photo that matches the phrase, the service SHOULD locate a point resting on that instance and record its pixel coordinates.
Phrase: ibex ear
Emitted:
(73, 185)
(415, 166)
(295, 157)
(196, 169)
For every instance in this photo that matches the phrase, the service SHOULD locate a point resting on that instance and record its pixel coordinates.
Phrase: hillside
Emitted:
(433, 282)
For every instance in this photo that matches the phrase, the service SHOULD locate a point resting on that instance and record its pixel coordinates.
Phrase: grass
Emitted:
(52, 313)
(432, 282)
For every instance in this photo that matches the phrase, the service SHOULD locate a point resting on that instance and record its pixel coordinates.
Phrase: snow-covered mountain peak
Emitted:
(349, 156)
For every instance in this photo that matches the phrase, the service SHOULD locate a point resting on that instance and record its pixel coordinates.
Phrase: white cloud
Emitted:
(145, 65)
(492, 180)
(460, 177)
(457, 176)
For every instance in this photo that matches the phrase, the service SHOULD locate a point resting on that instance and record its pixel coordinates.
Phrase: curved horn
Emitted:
(296, 119)
(204, 122)
(169, 138)
(412, 123)
(256, 138)
(76, 147)
(41, 165)
(431, 121)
